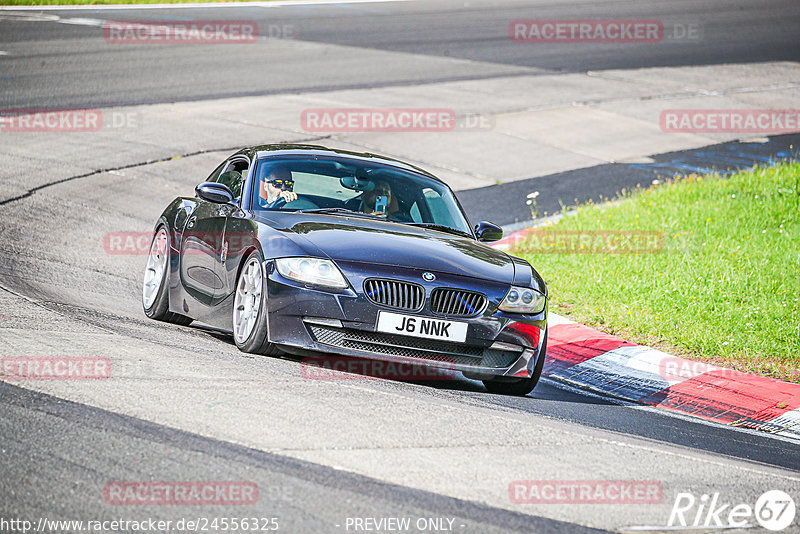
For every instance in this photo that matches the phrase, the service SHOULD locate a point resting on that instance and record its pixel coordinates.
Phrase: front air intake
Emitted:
(457, 302)
(395, 294)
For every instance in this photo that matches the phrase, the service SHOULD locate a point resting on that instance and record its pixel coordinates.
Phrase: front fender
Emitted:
(276, 244)
(174, 217)
(526, 276)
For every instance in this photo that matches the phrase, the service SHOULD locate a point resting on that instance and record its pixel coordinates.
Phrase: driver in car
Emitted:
(380, 201)
(277, 186)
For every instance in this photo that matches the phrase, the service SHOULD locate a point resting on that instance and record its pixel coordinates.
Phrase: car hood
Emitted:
(355, 239)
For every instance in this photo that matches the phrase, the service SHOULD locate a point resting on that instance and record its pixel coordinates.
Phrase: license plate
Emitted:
(427, 327)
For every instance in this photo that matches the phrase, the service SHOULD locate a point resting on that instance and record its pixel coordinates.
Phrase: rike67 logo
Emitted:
(773, 510)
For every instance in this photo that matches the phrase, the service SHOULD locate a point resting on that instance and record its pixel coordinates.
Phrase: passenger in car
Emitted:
(390, 208)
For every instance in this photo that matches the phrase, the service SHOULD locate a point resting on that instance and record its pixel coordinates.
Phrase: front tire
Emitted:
(155, 294)
(522, 386)
(250, 331)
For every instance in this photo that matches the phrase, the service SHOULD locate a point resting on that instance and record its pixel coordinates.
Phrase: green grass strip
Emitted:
(717, 278)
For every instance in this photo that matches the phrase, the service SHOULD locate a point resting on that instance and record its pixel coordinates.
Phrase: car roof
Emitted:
(317, 150)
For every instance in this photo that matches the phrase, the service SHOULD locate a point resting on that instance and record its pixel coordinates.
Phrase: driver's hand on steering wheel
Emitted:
(288, 196)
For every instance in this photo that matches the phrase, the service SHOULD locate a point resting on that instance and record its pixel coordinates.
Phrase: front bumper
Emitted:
(342, 322)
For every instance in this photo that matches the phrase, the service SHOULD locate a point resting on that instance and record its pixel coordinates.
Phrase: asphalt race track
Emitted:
(183, 404)
(80, 71)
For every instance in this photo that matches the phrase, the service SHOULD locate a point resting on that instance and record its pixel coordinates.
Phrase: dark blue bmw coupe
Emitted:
(309, 250)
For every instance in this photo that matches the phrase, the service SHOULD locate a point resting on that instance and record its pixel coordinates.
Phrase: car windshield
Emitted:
(345, 187)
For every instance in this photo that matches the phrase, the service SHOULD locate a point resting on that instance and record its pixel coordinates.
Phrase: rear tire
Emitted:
(522, 386)
(250, 332)
(155, 294)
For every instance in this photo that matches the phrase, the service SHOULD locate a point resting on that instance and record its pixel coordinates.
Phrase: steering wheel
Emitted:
(300, 204)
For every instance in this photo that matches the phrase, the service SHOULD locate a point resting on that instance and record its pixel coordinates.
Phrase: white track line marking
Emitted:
(27, 17)
(82, 22)
(78, 21)
(210, 5)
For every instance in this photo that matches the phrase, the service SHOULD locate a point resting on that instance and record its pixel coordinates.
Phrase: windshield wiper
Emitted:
(441, 227)
(343, 211)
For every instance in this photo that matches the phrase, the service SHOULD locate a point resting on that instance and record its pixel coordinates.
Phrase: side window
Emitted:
(416, 216)
(442, 210)
(234, 175)
(436, 206)
(214, 175)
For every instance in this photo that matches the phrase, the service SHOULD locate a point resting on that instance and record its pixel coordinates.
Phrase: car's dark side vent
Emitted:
(395, 294)
(457, 302)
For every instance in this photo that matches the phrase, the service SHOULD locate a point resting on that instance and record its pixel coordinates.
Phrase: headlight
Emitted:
(523, 300)
(313, 271)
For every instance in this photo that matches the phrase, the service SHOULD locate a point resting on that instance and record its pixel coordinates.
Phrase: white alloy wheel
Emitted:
(247, 302)
(156, 265)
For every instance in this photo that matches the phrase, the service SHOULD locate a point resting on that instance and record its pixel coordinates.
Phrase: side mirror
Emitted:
(488, 232)
(214, 192)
